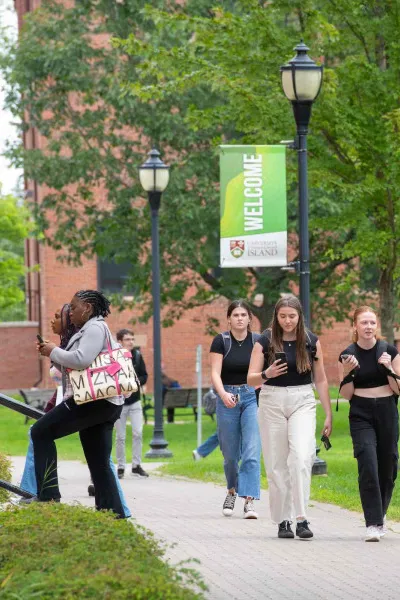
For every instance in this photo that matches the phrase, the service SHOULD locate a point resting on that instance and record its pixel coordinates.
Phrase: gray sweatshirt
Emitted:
(83, 348)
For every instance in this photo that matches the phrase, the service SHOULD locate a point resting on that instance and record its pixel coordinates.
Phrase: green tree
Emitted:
(13, 231)
(197, 77)
(354, 146)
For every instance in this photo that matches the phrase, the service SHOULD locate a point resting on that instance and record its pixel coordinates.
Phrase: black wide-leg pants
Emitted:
(374, 428)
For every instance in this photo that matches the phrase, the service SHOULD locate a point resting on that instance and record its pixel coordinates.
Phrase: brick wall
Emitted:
(19, 365)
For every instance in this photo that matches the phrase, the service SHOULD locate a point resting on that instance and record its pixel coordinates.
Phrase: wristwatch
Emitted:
(264, 376)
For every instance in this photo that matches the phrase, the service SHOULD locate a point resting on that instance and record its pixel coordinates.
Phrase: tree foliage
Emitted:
(13, 231)
(354, 144)
(185, 81)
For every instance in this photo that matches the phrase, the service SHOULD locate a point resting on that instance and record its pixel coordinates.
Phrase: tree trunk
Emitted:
(387, 300)
(264, 314)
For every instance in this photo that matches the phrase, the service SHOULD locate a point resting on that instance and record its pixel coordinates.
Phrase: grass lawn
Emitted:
(338, 487)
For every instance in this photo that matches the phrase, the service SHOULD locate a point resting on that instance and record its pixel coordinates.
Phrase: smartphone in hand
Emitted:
(281, 356)
(40, 339)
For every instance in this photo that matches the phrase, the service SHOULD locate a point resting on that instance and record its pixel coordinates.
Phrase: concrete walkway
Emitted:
(244, 560)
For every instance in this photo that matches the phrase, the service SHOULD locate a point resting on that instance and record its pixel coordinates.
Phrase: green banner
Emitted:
(253, 206)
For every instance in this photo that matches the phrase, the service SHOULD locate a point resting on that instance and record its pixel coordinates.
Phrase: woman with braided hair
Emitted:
(94, 420)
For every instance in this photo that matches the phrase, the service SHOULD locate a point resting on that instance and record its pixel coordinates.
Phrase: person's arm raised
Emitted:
(256, 367)
(90, 345)
(345, 367)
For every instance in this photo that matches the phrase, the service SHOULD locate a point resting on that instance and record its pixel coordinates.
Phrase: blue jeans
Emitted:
(28, 481)
(209, 445)
(239, 439)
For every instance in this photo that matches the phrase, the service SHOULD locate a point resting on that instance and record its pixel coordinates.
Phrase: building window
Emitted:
(113, 277)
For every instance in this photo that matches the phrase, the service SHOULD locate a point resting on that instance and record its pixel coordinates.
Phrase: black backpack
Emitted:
(209, 402)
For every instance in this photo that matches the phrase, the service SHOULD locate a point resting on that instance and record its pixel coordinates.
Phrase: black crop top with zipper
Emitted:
(369, 375)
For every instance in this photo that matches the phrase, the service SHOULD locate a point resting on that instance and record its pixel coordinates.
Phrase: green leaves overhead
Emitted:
(102, 81)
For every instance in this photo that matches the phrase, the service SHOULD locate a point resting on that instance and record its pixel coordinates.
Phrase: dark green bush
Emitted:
(52, 551)
(5, 473)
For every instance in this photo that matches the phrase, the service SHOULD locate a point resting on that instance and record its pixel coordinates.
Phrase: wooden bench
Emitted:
(183, 398)
(36, 398)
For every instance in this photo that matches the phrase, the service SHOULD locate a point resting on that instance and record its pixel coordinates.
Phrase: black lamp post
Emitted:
(154, 177)
(301, 82)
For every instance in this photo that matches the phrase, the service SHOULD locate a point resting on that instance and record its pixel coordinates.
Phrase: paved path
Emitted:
(244, 560)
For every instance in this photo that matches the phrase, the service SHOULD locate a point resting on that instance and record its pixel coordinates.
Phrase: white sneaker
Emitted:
(196, 455)
(372, 534)
(383, 528)
(229, 505)
(249, 511)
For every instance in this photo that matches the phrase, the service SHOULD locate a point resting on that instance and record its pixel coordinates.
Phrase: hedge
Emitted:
(52, 551)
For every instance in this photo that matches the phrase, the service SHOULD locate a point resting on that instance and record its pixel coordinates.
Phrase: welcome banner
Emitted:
(253, 206)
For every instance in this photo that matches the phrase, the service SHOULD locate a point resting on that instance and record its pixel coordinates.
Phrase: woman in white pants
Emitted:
(287, 414)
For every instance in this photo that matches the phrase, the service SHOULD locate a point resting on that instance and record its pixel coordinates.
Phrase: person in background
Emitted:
(373, 417)
(133, 409)
(209, 403)
(168, 383)
(287, 411)
(94, 420)
(237, 410)
(206, 447)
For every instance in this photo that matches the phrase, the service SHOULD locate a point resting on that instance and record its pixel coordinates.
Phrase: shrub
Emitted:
(5, 473)
(52, 551)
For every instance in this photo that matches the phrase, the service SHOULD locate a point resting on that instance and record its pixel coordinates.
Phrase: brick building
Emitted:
(54, 283)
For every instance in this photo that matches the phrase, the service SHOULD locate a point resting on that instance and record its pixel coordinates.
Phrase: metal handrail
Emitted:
(32, 413)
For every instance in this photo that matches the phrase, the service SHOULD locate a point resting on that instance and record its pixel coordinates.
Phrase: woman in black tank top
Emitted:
(236, 410)
(373, 417)
(287, 413)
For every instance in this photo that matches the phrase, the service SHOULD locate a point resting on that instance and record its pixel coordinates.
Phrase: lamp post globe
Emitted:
(154, 178)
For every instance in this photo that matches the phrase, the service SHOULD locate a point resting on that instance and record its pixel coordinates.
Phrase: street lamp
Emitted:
(301, 82)
(154, 177)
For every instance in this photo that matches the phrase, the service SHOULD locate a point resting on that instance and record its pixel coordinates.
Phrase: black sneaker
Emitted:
(229, 505)
(139, 471)
(121, 473)
(284, 530)
(303, 531)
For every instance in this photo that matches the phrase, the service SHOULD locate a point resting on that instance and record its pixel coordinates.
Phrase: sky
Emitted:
(9, 177)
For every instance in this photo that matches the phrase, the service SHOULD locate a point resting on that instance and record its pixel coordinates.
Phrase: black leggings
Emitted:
(374, 428)
(95, 422)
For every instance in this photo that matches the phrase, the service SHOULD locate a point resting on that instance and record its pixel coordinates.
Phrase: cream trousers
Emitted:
(287, 420)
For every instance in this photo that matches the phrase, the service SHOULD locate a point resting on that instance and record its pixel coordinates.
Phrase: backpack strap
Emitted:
(226, 338)
(381, 347)
(352, 349)
(311, 347)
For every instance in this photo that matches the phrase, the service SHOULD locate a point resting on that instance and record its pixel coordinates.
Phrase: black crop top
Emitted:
(292, 377)
(236, 364)
(369, 375)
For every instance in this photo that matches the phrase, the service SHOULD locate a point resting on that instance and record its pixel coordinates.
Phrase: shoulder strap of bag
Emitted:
(381, 347)
(226, 336)
(311, 347)
(350, 377)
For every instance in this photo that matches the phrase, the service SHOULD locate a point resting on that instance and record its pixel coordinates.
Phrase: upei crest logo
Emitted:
(237, 248)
